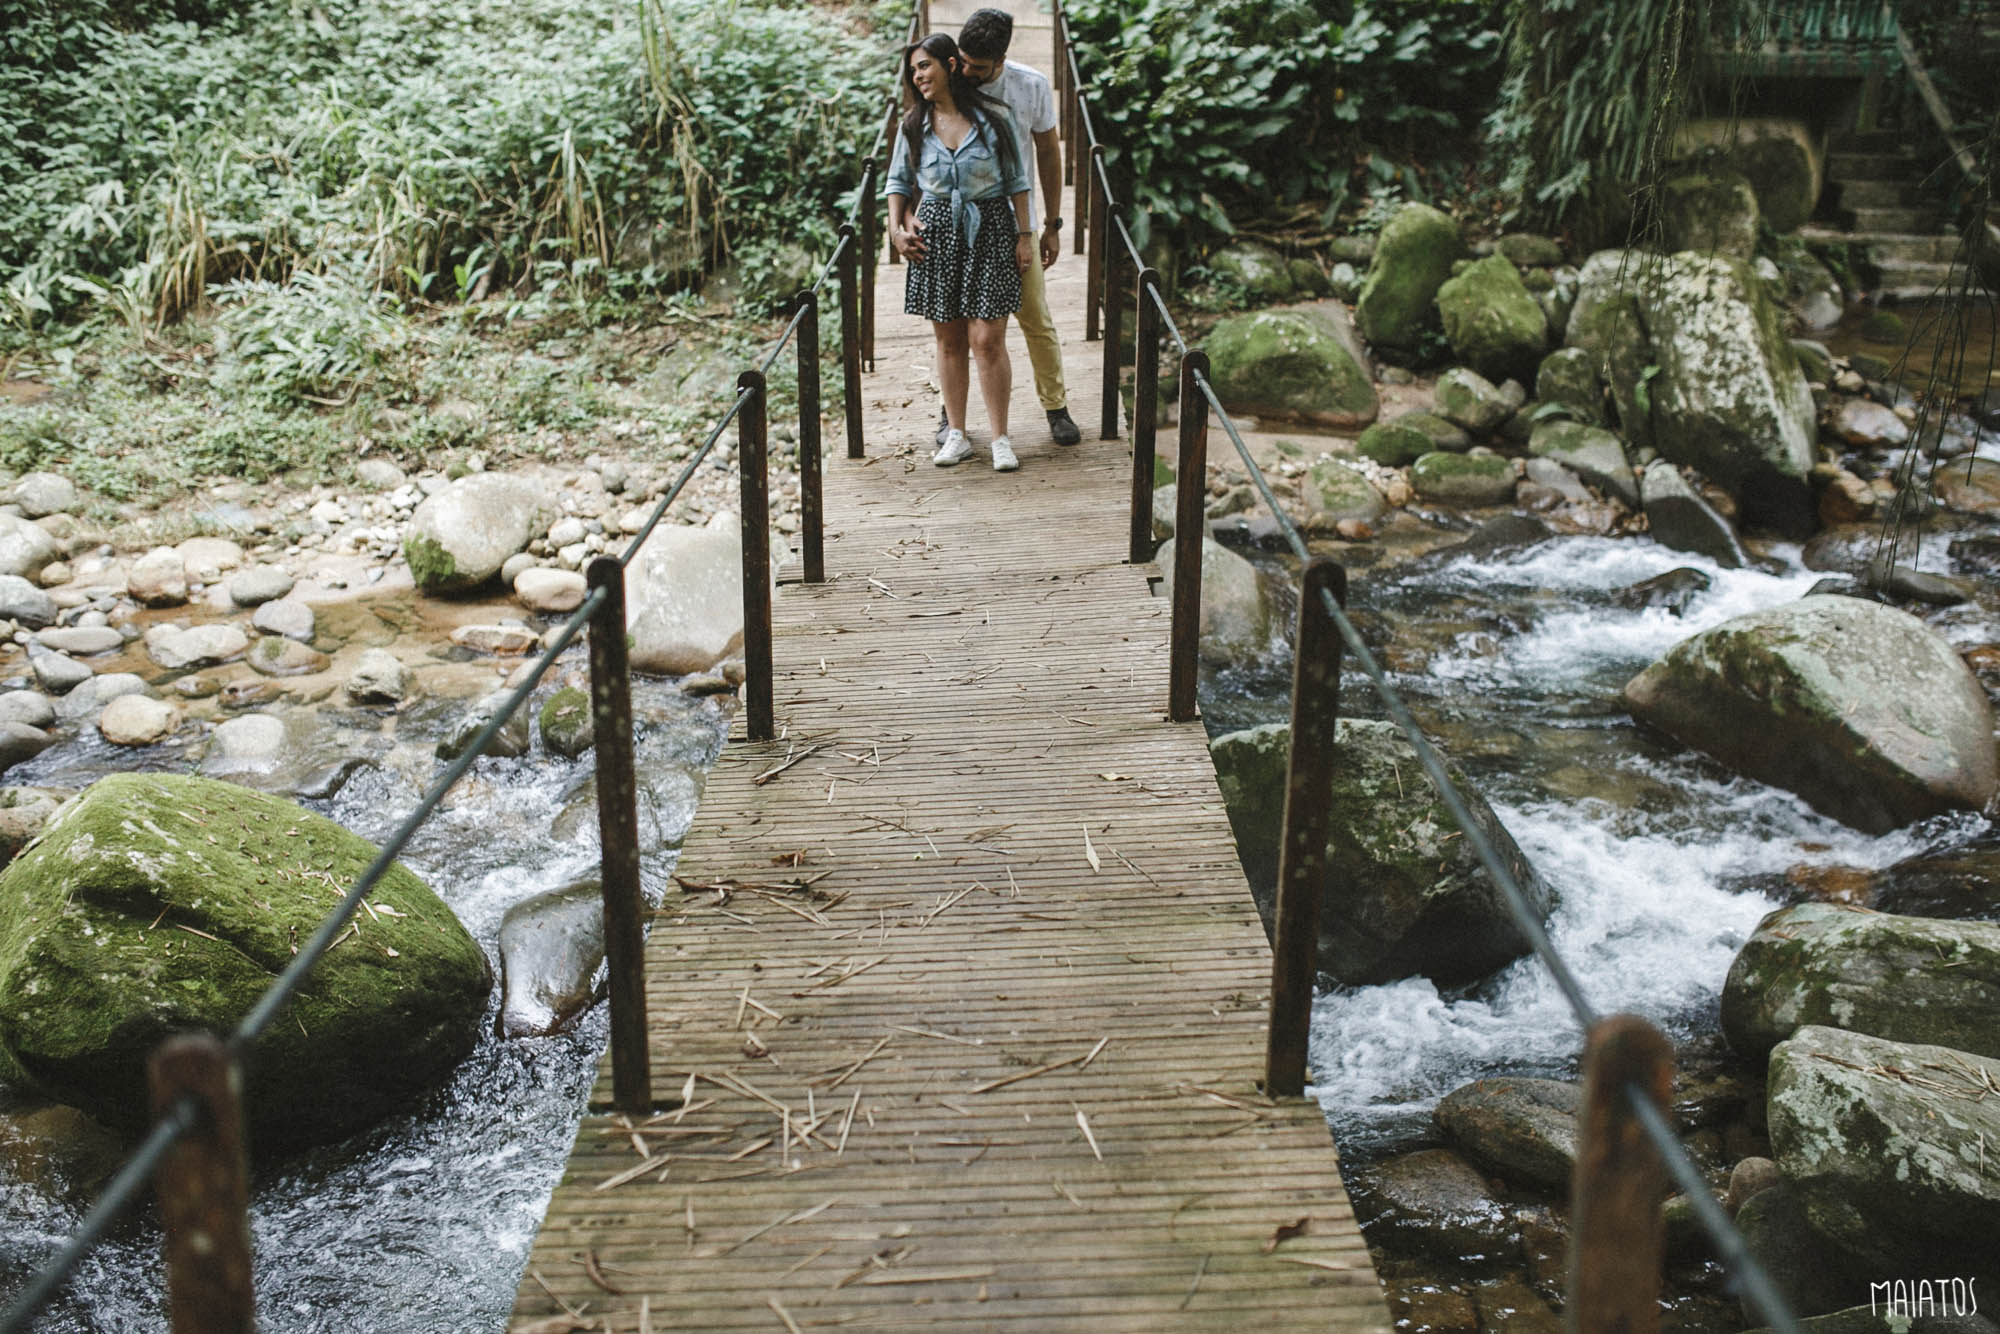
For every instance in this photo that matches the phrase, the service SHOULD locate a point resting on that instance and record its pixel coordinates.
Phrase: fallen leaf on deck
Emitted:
(1286, 1231)
(1090, 853)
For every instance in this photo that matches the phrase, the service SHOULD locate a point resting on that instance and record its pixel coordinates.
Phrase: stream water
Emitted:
(1512, 662)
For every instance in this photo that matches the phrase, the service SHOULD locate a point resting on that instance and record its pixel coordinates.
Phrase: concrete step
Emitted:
(1932, 247)
(1917, 280)
(1921, 221)
(1862, 193)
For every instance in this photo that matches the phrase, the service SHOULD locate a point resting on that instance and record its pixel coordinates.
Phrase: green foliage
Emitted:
(1231, 106)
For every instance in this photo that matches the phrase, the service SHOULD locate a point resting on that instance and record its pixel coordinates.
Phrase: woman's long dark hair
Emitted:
(967, 94)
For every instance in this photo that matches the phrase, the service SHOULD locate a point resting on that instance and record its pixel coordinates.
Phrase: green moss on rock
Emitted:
(1493, 323)
(431, 566)
(1412, 259)
(157, 903)
(1464, 479)
(1394, 444)
(566, 722)
(1289, 364)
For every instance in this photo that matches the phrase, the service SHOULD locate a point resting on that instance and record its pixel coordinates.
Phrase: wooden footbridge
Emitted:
(959, 1006)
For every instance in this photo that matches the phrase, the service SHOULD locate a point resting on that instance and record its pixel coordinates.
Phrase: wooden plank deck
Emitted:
(996, 1068)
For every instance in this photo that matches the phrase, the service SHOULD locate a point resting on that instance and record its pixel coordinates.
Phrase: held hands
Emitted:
(909, 240)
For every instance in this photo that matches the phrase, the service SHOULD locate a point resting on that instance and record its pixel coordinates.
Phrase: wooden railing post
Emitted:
(850, 338)
(752, 455)
(812, 531)
(1302, 846)
(868, 258)
(1190, 526)
(1079, 211)
(1145, 415)
(1617, 1226)
(1113, 302)
(618, 839)
(203, 1185)
(1100, 229)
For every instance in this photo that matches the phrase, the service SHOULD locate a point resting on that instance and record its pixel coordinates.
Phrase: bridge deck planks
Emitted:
(986, 681)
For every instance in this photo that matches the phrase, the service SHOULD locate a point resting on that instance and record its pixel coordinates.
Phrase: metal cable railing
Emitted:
(198, 1300)
(1300, 862)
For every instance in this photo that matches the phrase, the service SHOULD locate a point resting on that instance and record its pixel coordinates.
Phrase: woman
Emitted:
(968, 241)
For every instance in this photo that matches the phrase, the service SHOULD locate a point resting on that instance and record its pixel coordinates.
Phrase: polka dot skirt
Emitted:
(954, 284)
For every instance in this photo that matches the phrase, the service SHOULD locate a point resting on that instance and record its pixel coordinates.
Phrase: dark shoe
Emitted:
(944, 425)
(1062, 428)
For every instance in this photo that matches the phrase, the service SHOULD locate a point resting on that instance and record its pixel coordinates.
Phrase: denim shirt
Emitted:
(969, 175)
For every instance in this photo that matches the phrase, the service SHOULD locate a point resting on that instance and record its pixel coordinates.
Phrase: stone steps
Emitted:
(1918, 280)
(1861, 193)
(1872, 205)
(1938, 247)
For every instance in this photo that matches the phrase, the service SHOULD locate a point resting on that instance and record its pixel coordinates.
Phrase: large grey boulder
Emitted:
(684, 597)
(1491, 322)
(1469, 399)
(1907, 979)
(1403, 895)
(1591, 452)
(1678, 517)
(1299, 364)
(1412, 260)
(1860, 709)
(1435, 1201)
(1523, 1129)
(1889, 1146)
(94, 970)
(1236, 618)
(460, 537)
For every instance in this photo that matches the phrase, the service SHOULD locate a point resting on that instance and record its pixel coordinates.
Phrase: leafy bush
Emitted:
(412, 147)
(1227, 107)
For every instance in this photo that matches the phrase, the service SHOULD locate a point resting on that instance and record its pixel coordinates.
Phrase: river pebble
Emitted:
(275, 655)
(19, 741)
(207, 559)
(158, 579)
(58, 673)
(546, 590)
(27, 706)
(137, 720)
(259, 584)
(379, 678)
(81, 639)
(43, 493)
(286, 616)
(501, 639)
(252, 742)
(21, 601)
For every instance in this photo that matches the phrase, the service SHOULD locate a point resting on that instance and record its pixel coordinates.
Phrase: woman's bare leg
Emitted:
(996, 373)
(953, 376)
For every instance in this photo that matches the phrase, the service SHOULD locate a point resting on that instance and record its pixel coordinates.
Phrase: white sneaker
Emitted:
(1003, 455)
(955, 449)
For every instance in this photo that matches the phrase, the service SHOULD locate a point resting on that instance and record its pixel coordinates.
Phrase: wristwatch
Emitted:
(1053, 224)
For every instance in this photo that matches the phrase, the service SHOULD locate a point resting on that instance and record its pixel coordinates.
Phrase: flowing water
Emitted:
(423, 1223)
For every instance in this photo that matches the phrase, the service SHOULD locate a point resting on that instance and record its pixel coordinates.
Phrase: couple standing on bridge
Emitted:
(975, 253)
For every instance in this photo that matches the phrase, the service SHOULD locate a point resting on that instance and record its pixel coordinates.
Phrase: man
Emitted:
(982, 47)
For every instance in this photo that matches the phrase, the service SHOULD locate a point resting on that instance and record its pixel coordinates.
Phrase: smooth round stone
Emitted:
(288, 617)
(565, 531)
(44, 493)
(21, 601)
(501, 639)
(19, 741)
(259, 584)
(510, 570)
(379, 474)
(249, 694)
(275, 655)
(55, 574)
(27, 706)
(158, 579)
(197, 687)
(203, 646)
(88, 700)
(379, 678)
(137, 720)
(546, 590)
(253, 741)
(58, 672)
(81, 639)
(207, 559)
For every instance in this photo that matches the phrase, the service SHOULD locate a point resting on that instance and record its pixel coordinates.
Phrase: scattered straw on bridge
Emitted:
(961, 984)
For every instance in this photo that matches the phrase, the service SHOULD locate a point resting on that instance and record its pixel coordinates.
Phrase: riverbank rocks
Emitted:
(158, 579)
(1402, 895)
(550, 948)
(684, 597)
(1889, 1147)
(1491, 322)
(1568, 376)
(1332, 492)
(1236, 621)
(1591, 452)
(258, 585)
(93, 974)
(379, 678)
(1971, 486)
(1906, 979)
(25, 547)
(40, 494)
(550, 591)
(1412, 260)
(1394, 444)
(1860, 709)
(202, 646)
(1469, 399)
(1523, 1129)
(1679, 518)
(1293, 364)
(460, 537)
(567, 725)
(1258, 270)
(1464, 479)
(137, 720)
(1436, 1202)
(1711, 213)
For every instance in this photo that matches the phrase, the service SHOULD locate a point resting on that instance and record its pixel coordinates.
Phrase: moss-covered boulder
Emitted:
(157, 903)
(566, 722)
(1394, 443)
(1711, 213)
(1332, 491)
(1862, 710)
(1591, 452)
(1890, 1147)
(1443, 433)
(1530, 250)
(460, 537)
(1402, 894)
(1470, 400)
(1412, 260)
(1783, 159)
(1491, 321)
(1257, 270)
(1464, 479)
(1296, 364)
(1907, 979)
(1569, 376)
